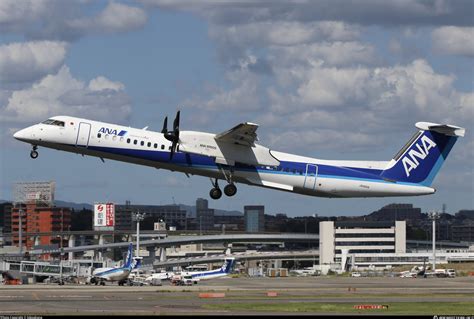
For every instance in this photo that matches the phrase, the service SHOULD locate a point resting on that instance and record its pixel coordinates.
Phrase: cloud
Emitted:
(62, 94)
(454, 40)
(65, 20)
(362, 12)
(30, 61)
(116, 17)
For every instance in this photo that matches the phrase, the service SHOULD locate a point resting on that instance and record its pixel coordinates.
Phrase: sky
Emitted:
(331, 79)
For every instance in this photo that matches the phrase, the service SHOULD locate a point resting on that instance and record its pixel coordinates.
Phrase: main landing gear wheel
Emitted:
(230, 190)
(215, 193)
(34, 154)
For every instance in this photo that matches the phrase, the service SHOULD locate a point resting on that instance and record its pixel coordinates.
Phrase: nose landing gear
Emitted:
(34, 154)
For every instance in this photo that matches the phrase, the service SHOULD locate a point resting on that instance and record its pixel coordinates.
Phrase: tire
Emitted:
(215, 193)
(230, 190)
(34, 154)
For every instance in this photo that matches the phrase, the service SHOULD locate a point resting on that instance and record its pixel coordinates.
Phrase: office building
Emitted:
(254, 217)
(340, 241)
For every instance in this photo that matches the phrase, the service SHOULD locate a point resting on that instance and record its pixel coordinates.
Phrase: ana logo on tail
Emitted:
(410, 161)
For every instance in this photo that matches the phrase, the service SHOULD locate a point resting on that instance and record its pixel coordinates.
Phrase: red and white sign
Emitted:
(104, 215)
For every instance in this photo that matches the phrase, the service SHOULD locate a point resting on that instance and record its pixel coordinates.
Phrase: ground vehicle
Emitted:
(451, 273)
(356, 274)
(186, 280)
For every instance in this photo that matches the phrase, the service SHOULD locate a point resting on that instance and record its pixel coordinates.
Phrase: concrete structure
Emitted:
(204, 215)
(172, 215)
(342, 241)
(463, 232)
(254, 217)
(39, 219)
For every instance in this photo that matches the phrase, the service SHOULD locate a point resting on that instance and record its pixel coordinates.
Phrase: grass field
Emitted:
(394, 308)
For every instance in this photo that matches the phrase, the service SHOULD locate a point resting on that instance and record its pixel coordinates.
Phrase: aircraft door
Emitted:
(83, 134)
(310, 177)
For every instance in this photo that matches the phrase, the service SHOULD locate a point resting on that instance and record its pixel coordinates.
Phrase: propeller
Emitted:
(165, 126)
(172, 136)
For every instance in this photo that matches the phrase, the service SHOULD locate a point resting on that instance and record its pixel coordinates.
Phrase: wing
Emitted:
(242, 134)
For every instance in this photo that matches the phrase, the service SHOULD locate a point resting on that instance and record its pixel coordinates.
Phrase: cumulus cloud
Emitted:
(454, 40)
(65, 20)
(30, 61)
(61, 93)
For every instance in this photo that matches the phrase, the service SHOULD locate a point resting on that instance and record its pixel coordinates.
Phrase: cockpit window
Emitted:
(54, 122)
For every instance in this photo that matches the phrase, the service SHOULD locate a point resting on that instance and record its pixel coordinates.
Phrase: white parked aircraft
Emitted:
(235, 157)
(120, 274)
(196, 276)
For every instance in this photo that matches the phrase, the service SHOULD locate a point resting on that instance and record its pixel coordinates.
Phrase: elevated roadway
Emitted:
(171, 241)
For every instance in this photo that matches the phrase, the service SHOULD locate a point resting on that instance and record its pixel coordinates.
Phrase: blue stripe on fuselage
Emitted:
(206, 162)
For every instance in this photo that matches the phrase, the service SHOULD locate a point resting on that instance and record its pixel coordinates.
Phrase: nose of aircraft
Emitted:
(21, 134)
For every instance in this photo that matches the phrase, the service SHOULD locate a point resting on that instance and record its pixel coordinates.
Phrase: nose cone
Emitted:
(21, 135)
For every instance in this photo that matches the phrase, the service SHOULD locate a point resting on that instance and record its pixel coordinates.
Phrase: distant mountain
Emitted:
(75, 206)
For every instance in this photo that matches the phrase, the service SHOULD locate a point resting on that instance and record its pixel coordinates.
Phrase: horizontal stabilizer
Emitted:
(445, 129)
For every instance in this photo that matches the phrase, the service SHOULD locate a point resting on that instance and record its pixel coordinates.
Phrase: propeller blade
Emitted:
(165, 126)
(176, 124)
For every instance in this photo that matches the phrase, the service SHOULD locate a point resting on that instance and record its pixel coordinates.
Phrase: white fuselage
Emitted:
(304, 175)
(111, 274)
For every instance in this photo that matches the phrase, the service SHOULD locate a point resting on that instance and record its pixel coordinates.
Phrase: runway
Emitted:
(250, 293)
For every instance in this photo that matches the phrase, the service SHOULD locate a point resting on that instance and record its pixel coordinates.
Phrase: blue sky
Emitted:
(328, 79)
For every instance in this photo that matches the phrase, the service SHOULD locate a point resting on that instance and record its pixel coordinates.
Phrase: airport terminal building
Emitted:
(345, 246)
(340, 242)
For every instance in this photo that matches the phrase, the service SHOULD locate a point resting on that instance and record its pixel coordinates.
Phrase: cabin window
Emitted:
(128, 140)
(142, 143)
(149, 144)
(155, 145)
(121, 139)
(114, 137)
(162, 147)
(169, 148)
(99, 135)
(135, 142)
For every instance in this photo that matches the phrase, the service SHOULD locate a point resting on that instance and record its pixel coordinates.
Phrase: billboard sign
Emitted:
(104, 216)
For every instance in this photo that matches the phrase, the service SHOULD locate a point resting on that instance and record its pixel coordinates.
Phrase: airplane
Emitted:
(234, 156)
(120, 274)
(196, 276)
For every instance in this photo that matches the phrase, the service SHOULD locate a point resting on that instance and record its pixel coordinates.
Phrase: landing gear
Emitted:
(230, 190)
(216, 192)
(34, 154)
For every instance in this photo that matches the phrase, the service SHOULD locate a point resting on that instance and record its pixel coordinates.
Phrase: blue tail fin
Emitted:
(129, 258)
(228, 265)
(420, 159)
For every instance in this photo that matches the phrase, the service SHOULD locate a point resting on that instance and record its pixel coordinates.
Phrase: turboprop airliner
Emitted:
(196, 276)
(120, 274)
(235, 157)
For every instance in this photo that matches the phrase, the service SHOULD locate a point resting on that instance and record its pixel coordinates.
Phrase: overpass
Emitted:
(307, 254)
(184, 240)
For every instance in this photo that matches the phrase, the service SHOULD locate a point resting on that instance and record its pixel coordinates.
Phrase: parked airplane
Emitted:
(209, 274)
(235, 157)
(120, 274)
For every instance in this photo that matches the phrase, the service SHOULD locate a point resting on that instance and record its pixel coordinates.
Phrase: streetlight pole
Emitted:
(434, 216)
(138, 217)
